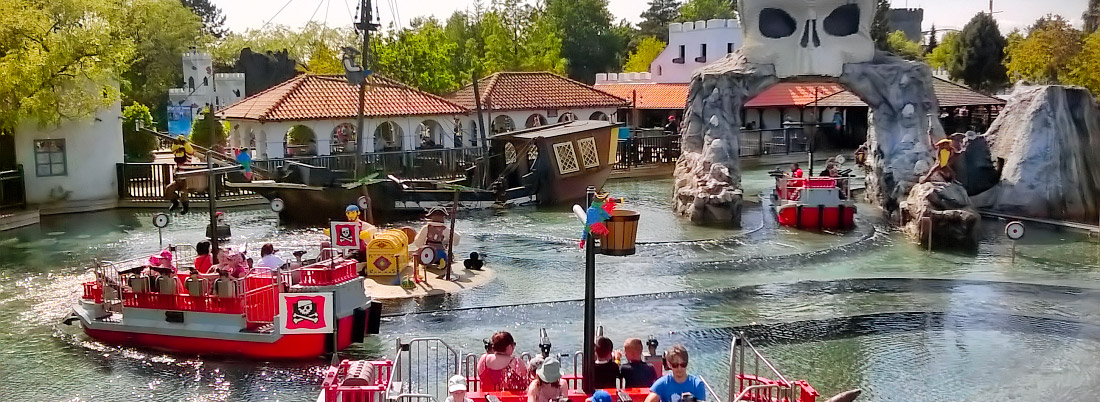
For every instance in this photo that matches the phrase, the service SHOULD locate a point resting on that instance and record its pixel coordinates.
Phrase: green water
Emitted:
(863, 309)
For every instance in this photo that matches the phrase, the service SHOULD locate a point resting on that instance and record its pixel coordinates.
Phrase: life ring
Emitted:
(277, 205)
(426, 255)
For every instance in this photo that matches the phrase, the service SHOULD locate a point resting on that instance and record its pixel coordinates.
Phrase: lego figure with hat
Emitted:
(945, 152)
(434, 235)
(366, 230)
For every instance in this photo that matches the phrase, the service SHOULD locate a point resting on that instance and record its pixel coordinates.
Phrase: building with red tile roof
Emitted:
(529, 99)
(396, 117)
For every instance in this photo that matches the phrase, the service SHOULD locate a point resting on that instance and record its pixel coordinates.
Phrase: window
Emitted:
(49, 158)
(509, 153)
(680, 60)
(729, 48)
(590, 157)
(567, 158)
(660, 70)
(702, 54)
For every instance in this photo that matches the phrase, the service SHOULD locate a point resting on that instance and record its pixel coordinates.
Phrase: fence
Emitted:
(773, 141)
(424, 164)
(647, 151)
(12, 189)
(756, 388)
(146, 182)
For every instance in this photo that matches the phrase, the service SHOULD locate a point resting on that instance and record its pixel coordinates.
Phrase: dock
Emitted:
(1075, 226)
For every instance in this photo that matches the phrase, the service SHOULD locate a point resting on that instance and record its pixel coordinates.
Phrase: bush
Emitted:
(138, 146)
(200, 131)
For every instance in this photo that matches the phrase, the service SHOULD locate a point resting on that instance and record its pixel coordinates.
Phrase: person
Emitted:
(607, 371)
(673, 126)
(498, 369)
(945, 151)
(204, 261)
(182, 151)
(796, 172)
(474, 262)
(547, 385)
(268, 259)
(233, 263)
(177, 193)
(671, 387)
(830, 170)
(635, 372)
(456, 387)
(599, 396)
(245, 159)
(161, 261)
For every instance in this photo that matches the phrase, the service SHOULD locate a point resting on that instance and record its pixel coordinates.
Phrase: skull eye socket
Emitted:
(776, 23)
(843, 21)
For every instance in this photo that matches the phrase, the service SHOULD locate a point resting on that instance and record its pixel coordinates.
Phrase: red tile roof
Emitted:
(793, 94)
(841, 99)
(650, 95)
(316, 97)
(951, 94)
(534, 91)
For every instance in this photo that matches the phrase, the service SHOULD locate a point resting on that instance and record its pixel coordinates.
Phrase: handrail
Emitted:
(752, 388)
(397, 388)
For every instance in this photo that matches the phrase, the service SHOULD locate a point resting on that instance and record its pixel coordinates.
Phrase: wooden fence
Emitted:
(146, 182)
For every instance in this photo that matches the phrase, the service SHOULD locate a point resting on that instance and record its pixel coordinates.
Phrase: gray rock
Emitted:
(950, 217)
(974, 168)
(708, 173)
(1047, 140)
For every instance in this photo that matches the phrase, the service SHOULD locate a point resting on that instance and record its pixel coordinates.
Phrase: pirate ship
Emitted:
(302, 312)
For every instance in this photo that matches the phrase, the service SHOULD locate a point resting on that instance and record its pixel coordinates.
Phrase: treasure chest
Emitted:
(387, 252)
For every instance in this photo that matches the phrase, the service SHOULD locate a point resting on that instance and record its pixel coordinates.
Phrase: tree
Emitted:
(200, 131)
(898, 44)
(702, 10)
(880, 25)
(137, 146)
(942, 55)
(323, 60)
(213, 22)
(933, 42)
(60, 59)
(1044, 55)
(1084, 68)
(419, 56)
(657, 17)
(648, 50)
(298, 43)
(591, 45)
(978, 61)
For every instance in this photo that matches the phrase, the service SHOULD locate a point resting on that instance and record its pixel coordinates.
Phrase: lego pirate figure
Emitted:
(945, 151)
(432, 239)
(365, 231)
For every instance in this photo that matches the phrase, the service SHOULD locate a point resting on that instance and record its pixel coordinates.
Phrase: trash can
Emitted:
(622, 231)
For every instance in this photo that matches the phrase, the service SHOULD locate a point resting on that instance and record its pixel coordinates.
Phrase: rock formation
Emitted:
(974, 167)
(708, 172)
(952, 219)
(1047, 142)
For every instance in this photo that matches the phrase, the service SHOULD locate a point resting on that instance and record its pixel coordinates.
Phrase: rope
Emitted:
(276, 14)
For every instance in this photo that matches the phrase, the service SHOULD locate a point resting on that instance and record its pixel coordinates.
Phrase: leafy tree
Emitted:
(419, 56)
(324, 60)
(591, 45)
(898, 44)
(1091, 17)
(880, 25)
(978, 61)
(200, 130)
(1045, 54)
(702, 10)
(648, 50)
(300, 135)
(60, 59)
(1084, 68)
(933, 42)
(656, 18)
(213, 22)
(942, 55)
(298, 43)
(137, 146)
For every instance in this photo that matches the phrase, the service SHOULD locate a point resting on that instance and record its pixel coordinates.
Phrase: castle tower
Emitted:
(198, 77)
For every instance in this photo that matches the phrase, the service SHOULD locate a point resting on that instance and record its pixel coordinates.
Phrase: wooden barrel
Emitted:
(622, 231)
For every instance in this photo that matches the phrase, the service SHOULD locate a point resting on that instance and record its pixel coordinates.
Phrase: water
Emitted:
(863, 309)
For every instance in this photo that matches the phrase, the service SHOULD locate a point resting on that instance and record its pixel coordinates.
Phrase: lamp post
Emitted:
(588, 372)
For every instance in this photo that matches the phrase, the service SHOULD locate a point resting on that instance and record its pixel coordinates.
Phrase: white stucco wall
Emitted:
(519, 117)
(92, 148)
(717, 34)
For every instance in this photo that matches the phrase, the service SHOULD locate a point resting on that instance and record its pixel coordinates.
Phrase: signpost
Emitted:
(1014, 231)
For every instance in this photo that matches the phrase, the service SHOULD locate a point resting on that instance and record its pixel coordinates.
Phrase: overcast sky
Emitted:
(244, 14)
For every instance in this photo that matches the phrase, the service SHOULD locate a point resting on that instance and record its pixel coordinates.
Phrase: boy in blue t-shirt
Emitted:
(671, 387)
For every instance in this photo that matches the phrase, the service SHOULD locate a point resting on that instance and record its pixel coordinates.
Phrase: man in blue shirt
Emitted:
(671, 387)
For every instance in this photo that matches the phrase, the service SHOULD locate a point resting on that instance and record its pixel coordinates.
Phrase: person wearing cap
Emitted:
(672, 127)
(268, 259)
(456, 386)
(547, 386)
(671, 387)
(498, 369)
(599, 396)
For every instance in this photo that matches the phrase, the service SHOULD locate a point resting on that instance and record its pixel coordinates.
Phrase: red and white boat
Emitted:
(302, 312)
(420, 368)
(813, 203)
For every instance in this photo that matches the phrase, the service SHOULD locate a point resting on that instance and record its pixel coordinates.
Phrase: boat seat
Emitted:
(196, 287)
(166, 285)
(139, 283)
(225, 288)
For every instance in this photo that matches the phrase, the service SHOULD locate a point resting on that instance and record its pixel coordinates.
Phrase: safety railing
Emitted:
(356, 381)
(147, 182)
(12, 189)
(647, 151)
(429, 164)
(419, 373)
(327, 273)
(748, 385)
(773, 141)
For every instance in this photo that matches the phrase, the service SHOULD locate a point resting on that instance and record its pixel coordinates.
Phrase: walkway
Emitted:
(1077, 226)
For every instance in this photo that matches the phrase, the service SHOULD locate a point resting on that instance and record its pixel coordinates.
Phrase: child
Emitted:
(456, 386)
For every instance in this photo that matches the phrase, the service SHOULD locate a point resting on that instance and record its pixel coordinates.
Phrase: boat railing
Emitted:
(333, 271)
(356, 381)
(421, 370)
(790, 189)
(747, 383)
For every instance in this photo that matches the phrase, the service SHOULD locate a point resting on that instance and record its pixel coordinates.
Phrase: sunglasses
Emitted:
(677, 365)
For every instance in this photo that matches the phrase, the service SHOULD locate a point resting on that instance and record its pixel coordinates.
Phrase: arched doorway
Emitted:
(567, 117)
(535, 120)
(343, 139)
(300, 141)
(429, 135)
(388, 137)
(503, 124)
(599, 116)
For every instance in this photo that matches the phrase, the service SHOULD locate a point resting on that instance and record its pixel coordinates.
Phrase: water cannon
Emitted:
(544, 343)
(599, 331)
(488, 345)
(651, 345)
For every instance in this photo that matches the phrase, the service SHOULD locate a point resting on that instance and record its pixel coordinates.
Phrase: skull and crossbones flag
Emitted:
(305, 313)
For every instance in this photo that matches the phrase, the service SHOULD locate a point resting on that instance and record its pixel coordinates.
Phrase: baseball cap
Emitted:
(601, 396)
(456, 383)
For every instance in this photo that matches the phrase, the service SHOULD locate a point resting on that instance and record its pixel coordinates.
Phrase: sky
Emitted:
(245, 14)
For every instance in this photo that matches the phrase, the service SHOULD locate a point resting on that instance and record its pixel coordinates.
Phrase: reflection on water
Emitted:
(861, 309)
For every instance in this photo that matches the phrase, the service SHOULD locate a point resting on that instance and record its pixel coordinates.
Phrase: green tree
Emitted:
(297, 42)
(137, 146)
(978, 61)
(656, 18)
(589, 41)
(1044, 55)
(324, 60)
(213, 22)
(898, 44)
(60, 59)
(648, 50)
(933, 42)
(942, 55)
(880, 25)
(200, 131)
(419, 56)
(1084, 68)
(702, 10)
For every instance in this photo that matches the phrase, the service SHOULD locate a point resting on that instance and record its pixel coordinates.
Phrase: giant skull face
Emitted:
(807, 37)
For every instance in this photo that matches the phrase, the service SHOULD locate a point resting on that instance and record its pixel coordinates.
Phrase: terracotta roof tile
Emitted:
(314, 97)
(650, 95)
(792, 94)
(534, 91)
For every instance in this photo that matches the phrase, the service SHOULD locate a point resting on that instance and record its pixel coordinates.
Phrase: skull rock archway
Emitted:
(789, 40)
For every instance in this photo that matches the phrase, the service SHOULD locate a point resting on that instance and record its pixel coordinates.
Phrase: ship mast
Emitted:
(365, 26)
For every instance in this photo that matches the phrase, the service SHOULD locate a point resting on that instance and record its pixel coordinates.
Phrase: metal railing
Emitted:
(419, 374)
(647, 151)
(146, 182)
(12, 188)
(773, 141)
(432, 164)
(772, 386)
